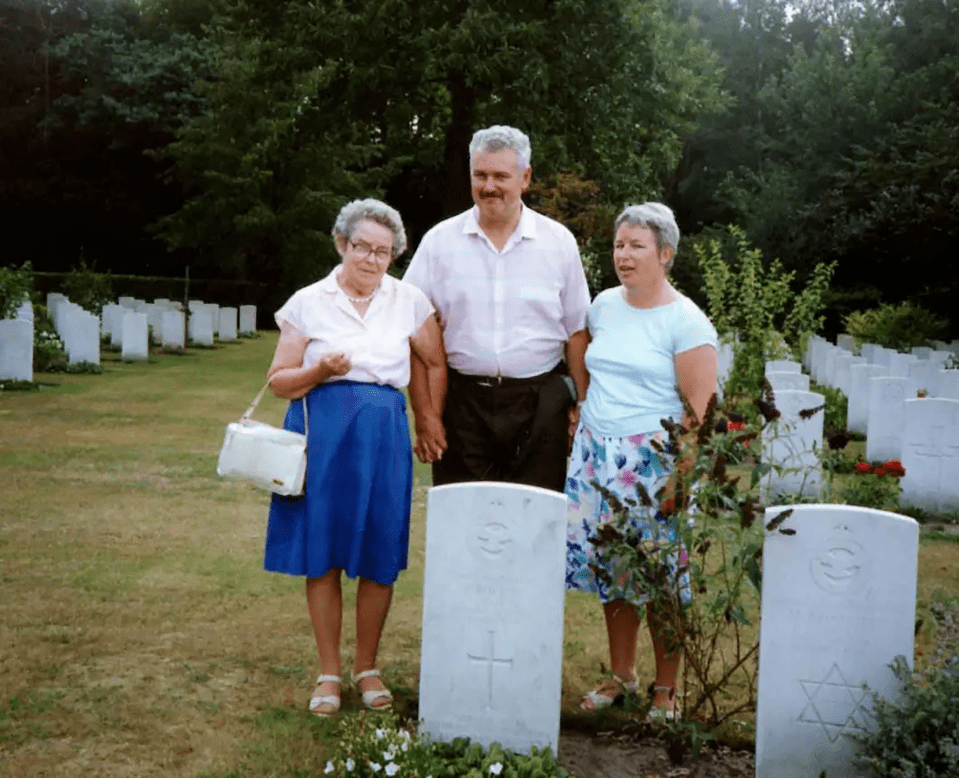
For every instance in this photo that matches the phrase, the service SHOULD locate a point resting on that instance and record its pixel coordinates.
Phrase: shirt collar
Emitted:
(330, 286)
(526, 227)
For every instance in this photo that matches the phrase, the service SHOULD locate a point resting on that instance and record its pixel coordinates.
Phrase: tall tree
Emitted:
(316, 102)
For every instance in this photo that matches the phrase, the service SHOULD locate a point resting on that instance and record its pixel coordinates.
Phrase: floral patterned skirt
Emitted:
(617, 464)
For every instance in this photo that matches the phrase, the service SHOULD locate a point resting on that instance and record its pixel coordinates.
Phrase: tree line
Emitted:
(224, 135)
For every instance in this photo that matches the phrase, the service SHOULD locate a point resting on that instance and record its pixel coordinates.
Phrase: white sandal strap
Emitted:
(366, 674)
(328, 679)
(316, 702)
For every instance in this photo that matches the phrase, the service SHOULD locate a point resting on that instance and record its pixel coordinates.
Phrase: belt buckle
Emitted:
(491, 381)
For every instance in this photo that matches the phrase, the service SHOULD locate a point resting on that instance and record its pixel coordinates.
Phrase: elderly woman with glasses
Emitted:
(345, 346)
(650, 348)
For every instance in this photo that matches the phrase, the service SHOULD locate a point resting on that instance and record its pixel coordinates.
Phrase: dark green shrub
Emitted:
(896, 326)
(919, 736)
(14, 286)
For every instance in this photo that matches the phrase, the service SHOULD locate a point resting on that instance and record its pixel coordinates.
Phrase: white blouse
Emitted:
(377, 344)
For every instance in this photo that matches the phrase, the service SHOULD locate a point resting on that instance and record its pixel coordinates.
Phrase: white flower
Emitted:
(329, 768)
(496, 768)
(380, 734)
(350, 764)
(405, 747)
(405, 735)
(375, 767)
(392, 769)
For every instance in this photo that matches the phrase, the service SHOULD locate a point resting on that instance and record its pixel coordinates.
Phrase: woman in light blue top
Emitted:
(650, 347)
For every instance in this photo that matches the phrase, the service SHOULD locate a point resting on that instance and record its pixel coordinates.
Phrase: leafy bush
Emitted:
(753, 306)
(874, 485)
(896, 326)
(918, 737)
(835, 416)
(720, 523)
(15, 285)
(378, 746)
(90, 290)
(48, 353)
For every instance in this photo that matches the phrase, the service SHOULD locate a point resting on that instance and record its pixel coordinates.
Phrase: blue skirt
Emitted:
(355, 511)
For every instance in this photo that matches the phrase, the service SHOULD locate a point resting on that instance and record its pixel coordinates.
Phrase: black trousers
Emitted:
(513, 430)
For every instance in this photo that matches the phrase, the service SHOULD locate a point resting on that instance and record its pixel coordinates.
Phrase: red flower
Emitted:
(894, 468)
(732, 426)
(863, 468)
(880, 472)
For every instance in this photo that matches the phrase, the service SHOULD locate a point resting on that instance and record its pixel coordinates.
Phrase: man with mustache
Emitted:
(510, 292)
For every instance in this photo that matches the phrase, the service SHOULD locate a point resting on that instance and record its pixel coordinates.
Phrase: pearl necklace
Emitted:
(357, 300)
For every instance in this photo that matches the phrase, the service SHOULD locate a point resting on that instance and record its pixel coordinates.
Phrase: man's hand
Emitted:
(573, 414)
(430, 438)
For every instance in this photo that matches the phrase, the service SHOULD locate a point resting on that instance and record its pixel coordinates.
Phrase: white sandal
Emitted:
(374, 694)
(332, 701)
(600, 697)
(659, 715)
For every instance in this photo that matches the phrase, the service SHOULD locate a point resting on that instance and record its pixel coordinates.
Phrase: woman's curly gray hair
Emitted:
(659, 219)
(372, 210)
(499, 137)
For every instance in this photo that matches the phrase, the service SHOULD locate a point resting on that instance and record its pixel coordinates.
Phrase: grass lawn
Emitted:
(139, 635)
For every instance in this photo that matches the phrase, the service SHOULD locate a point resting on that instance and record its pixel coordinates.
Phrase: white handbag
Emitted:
(271, 458)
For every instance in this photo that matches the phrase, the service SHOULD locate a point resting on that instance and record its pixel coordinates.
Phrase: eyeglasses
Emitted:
(363, 250)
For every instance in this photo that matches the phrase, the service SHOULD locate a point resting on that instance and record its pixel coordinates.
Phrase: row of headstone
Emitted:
(883, 403)
(838, 605)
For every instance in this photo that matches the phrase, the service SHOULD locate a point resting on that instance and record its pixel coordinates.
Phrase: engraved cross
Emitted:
(491, 660)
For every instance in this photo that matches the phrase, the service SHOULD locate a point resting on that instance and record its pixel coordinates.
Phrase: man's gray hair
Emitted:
(501, 137)
(660, 220)
(372, 210)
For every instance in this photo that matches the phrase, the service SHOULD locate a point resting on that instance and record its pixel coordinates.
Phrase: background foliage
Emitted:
(223, 134)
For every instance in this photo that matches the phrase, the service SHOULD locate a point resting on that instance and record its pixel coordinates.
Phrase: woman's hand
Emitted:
(335, 363)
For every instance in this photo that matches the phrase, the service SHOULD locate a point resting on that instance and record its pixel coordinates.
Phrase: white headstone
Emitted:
(724, 360)
(868, 350)
(247, 319)
(81, 341)
(154, 314)
(939, 356)
(783, 366)
(135, 341)
(130, 303)
(857, 407)
(842, 376)
(922, 352)
(25, 311)
(214, 310)
(16, 350)
(930, 455)
(788, 381)
(116, 314)
(846, 342)
(201, 326)
(883, 356)
(838, 605)
(173, 334)
(899, 364)
(947, 384)
(793, 443)
(884, 426)
(827, 365)
(925, 373)
(493, 589)
(227, 324)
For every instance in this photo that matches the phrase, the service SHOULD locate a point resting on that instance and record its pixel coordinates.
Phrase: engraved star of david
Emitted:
(834, 704)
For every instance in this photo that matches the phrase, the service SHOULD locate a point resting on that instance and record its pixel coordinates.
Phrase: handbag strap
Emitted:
(256, 401)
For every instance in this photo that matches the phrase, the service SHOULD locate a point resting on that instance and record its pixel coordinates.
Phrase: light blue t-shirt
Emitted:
(632, 374)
